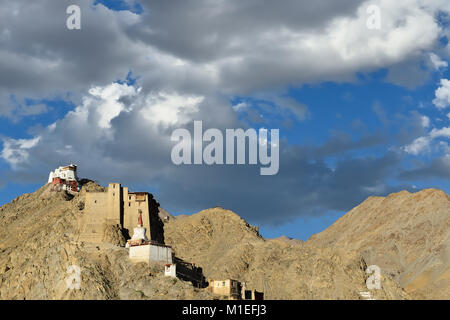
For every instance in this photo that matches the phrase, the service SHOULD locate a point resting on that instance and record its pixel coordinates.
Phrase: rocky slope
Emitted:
(38, 242)
(227, 247)
(407, 235)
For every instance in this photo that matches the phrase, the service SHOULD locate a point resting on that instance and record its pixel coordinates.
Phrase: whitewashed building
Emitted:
(66, 177)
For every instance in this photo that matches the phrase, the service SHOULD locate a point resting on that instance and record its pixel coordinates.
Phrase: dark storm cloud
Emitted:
(41, 57)
(301, 188)
(438, 169)
(135, 150)
(198, 46)
(204, 31)
(341, 142)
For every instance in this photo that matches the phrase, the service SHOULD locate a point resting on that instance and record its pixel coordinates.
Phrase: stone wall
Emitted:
(118, 206)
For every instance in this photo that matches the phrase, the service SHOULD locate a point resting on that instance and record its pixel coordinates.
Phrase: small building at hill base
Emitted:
(233, 290)
(228, 288)
(185, 271)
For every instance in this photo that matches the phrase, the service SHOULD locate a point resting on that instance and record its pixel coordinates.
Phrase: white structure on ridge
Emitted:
(65, 176)
(68, 173)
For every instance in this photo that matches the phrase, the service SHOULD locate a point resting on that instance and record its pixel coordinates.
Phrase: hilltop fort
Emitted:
(136, 216)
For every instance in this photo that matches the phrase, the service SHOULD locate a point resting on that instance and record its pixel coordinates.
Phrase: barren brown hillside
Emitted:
(406, 234)
(38, 242)
(228, 247)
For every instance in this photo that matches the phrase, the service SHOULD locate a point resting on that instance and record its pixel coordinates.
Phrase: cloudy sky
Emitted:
(361, 111)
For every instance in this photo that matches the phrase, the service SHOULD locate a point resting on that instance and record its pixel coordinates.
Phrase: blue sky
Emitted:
(352, 125)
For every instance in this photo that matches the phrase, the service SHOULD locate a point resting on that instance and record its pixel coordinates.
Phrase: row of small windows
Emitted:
(129, 197)
(114, 194)
(129, 203)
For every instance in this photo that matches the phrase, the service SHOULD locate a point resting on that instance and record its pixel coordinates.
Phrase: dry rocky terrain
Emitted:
(407, 235)
(38, 242)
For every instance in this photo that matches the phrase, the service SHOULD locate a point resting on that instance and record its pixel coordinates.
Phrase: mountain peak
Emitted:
(405, 233)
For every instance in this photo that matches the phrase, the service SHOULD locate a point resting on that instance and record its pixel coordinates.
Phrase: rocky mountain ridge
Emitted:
(407, 235)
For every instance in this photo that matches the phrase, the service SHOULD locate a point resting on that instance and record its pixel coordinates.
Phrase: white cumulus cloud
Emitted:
(437, 62)
(442, 94)
(170, 108)
(423, 144)
(16, 151)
